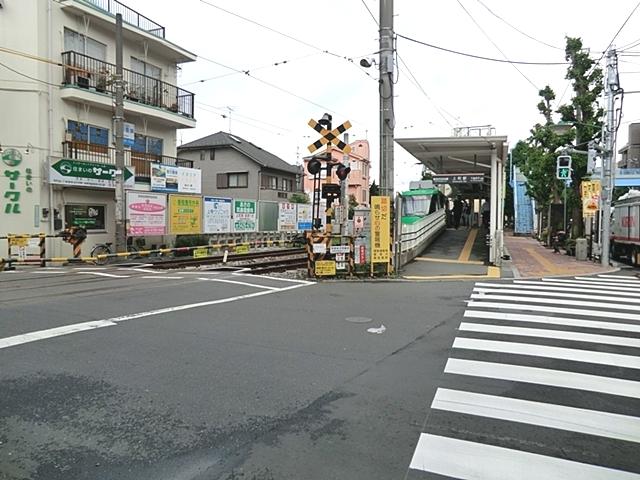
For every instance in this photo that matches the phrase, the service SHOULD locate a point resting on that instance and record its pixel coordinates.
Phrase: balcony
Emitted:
(129, 16)
(168, 102)
(102, 154)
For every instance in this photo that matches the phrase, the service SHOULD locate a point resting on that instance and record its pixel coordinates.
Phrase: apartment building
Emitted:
(57, 66)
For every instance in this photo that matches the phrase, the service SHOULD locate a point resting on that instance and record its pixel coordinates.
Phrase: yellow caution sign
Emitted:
(325, 268)
(200, 252)
(242, 248)
(18, 240)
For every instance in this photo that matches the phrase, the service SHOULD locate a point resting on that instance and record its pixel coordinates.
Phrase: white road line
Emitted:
(544, 308)
(545, 287)
(577, 303)
(53, 332)
(446, 456)
(543, 376)
(555, 334)
(41, 271)
(545, 351)
(306, 282)
(90, 268)
(161, 277)
(201, 273)
(518, 317)
(575, 283)
(590, 422)
(608, 281)
(143, 270)
(101, 274)
(238, 283)
(556, 294)
(622, 277)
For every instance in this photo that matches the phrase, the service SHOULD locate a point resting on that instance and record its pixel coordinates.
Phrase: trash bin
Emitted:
(581, 249)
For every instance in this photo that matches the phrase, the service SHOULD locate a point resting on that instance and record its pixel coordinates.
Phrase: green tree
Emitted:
(299, 197)
(374, 190)
(353, 203)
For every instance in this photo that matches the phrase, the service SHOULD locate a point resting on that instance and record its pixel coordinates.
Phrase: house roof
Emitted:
(255, 153)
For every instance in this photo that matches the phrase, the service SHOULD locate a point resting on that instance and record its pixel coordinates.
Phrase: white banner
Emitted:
(166, 178)
(287, 217)
(304, 216)
(217, 215)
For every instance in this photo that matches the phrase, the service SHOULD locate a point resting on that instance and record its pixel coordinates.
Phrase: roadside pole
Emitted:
(118, 120)
(387, 118)
(611, 87)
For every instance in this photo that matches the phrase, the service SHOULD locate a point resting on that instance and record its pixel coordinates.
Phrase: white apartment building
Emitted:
(57, 158)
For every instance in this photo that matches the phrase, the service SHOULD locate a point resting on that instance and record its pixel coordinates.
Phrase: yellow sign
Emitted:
(590, 197)
(201, 252)
(329, 137)
(325, 268)
(185, 214)
(380, 229)
(242, 248)
(18, 241)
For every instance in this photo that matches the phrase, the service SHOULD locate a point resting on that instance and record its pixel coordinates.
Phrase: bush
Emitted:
(190, 241)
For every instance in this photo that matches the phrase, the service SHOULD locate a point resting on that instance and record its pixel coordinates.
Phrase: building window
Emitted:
(232, 180)
(212, 154)
(77, 42)
(282, 195)
(145, 82)
(89, 217)
(269, 182)
(147, 144)
(364, 196)
(88, 137)
(202, 155)
(287, 185)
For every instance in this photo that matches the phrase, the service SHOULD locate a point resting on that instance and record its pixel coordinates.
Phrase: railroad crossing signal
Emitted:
(563, 167)
(329, 137)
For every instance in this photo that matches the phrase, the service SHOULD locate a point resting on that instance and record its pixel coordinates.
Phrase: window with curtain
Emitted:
(147, 144)
(77, 42)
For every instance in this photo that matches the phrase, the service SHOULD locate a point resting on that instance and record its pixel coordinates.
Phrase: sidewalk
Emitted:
(529, 258)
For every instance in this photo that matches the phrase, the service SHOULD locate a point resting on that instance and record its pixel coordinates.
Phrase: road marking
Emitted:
(238, 283)
(143, 270)
(446, 456)
(545, 351)
(468, 245)
(575, 283)
(556, 294)
(53, 332)
(546, 333)
(160, 277)
(101, 274)
(492, 272)
(554, 288)
(628, 277)
(590, 422)
(544, 308)
(446, 260)
(90, 268)
(40, 271)
(608, 281)
(577, 303)
(306, 282)
(201, 273)
(543, 376)
(42, 334)
(516, 317)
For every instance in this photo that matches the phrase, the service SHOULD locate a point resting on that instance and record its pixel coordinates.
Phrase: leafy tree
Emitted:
(299, 197)
(374, 190)
(353, 203)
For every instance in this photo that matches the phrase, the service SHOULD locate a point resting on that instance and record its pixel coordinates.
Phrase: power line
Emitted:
(618, 32)
(29, 77)
(479, 57)
(495, 44)
(245, 116)
(370, 13)
(517, 29)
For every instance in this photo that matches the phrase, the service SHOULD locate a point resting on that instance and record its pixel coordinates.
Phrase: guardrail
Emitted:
(416, 236)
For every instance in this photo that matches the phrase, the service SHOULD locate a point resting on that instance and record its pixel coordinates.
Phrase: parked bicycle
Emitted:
(101, 249)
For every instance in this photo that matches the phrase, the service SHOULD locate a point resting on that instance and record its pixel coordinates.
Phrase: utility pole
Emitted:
(344, 191)
(387, 119)
(612, 85)
(118, 120)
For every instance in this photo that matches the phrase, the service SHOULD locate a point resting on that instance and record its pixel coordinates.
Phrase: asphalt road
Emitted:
(222, 376)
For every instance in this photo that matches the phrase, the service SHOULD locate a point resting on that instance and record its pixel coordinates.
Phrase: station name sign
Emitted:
(457, 179)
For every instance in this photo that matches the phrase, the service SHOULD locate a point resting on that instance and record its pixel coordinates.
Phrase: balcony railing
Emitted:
(129, 16)
(101, 154)
(87, 72)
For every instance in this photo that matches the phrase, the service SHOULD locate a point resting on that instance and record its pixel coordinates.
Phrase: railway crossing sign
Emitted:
(329, 136)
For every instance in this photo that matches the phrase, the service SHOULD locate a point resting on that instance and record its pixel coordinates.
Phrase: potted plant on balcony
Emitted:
(104, 80)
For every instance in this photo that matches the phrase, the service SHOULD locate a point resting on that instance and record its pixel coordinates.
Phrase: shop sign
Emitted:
(89, 217)
(184, 214)
(244, 216)
(88, 174)
(217, 215)
(16, 181)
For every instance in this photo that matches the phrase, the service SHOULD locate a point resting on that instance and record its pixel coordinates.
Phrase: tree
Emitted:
(353, 203)
(299, 197)
(374, 190)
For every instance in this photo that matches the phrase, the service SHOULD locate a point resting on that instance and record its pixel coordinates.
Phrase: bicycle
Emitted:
(101, 249)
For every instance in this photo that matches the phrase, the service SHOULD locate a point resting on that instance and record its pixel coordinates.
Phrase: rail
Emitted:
(83, 71)
(129, 16)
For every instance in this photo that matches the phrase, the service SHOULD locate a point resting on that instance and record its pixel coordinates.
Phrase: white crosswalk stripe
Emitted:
(543, 381)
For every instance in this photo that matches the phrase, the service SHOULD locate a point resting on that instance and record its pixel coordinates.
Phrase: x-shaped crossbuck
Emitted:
(329, 137)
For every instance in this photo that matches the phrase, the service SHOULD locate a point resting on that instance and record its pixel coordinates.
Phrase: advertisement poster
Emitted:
(146, 214)
(184, 214)
(590, 197)
(88, 174)
(304, 216)
(244, 216)
(287, 217)
(380, 229)
(166, 178)
(217, 215)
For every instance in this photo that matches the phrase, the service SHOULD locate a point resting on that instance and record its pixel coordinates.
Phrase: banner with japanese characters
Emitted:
(185, 214)
(217, 215)
(380, 229)
(244, 216)
(287, 217)
(146, 213)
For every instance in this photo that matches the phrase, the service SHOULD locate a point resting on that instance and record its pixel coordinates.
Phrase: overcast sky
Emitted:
(291, 80)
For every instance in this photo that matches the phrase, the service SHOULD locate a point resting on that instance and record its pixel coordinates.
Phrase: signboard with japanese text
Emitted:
(244, 216)
(89, 217)
(146, 213)
(380, 229)
(129, 134)
(304, 216)
(217, 215)
(590, 197)
(88, 174)
(167, 178)
(184, 214)
(17, 182)
(325, 268)
(287, 217)
(458, 179)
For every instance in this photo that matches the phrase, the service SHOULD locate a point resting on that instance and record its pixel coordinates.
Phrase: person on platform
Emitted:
(486, 213)
(466, 214)
(457, 211)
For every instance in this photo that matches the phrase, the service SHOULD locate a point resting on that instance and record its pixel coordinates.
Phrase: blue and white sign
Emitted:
(170, 179)
(304, 216)
(217, 215)
(129, 136)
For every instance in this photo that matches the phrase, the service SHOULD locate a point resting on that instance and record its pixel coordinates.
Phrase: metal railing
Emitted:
(87, 72)
(129, 16)
(102, 154)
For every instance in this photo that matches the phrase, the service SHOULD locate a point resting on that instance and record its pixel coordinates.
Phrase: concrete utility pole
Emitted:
(118, 120)
(387, 119)
(612, 85)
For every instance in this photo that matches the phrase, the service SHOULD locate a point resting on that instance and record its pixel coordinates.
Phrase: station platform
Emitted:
(460, 255)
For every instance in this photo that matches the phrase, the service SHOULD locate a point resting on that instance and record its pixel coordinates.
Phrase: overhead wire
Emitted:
(28, 76)
(618, 32)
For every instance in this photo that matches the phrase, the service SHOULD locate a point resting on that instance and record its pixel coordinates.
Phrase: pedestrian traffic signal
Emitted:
(314, 166)
(563, 167)
(342, 171)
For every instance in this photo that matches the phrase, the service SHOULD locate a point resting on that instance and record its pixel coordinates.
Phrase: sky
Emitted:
(302, 59)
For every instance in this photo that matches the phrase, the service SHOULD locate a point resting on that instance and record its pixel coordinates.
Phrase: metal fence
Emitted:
(129, 16)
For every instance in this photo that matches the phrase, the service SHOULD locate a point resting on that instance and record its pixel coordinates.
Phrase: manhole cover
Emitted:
(358, 319)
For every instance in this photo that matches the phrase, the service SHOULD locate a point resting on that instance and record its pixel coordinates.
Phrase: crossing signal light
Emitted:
(342, 172)
(314, 166)
(563, 167)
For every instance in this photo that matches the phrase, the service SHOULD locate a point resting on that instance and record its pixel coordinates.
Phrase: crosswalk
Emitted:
(543, 382)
